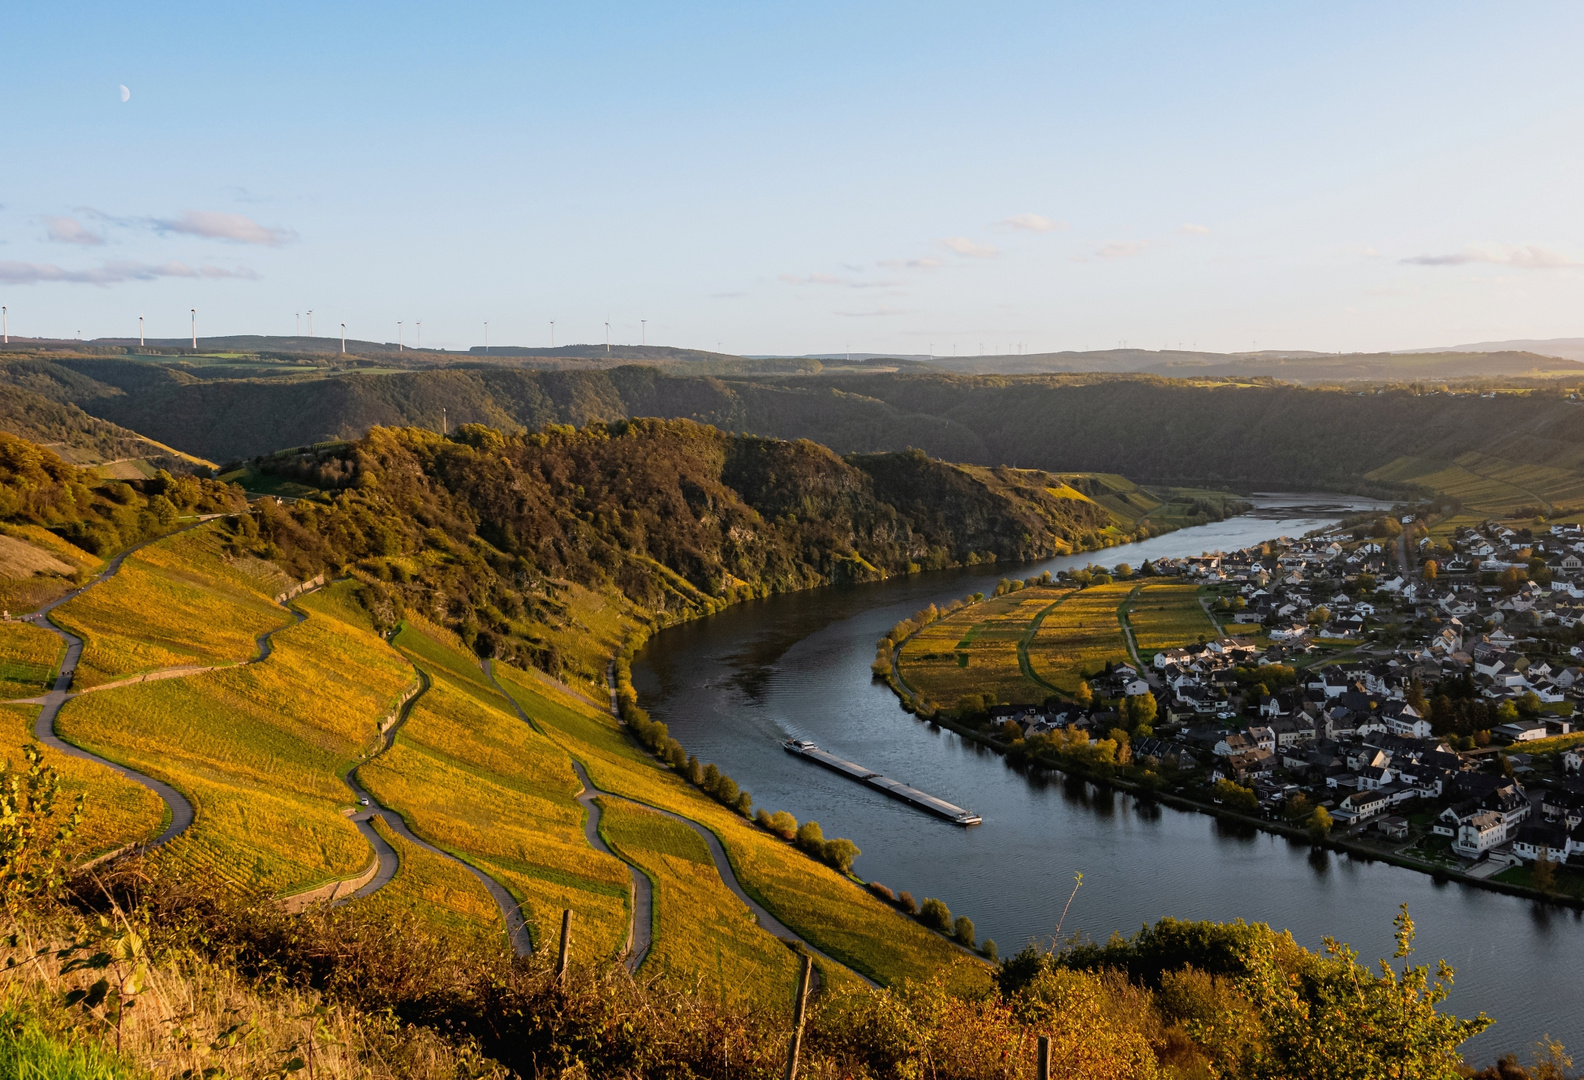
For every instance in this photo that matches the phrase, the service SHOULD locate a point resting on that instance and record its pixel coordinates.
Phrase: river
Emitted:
(734, 686)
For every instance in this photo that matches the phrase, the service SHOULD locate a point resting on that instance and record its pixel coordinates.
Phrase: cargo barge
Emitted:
(894, 788)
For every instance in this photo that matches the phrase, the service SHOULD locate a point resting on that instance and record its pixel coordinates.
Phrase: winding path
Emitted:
(723, 863)
(179, 811)
(516, 927)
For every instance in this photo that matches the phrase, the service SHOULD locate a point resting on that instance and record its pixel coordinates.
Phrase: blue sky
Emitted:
(800, 177)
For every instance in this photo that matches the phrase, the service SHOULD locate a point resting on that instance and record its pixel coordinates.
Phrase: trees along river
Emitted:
(734, 686)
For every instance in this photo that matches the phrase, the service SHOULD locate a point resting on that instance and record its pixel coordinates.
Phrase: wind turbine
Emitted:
(645, 324)
(419, 343)
(398, 336)
(5, 323)
(486, 337)
(607, 337)
(343, 339)
(552, 333)
(310, 322)
(140, 331)
(298, 314)
(195, 329)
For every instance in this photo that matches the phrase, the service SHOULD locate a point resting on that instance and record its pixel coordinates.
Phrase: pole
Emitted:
(799, 1007)
(566, 945)
(1042, 1062)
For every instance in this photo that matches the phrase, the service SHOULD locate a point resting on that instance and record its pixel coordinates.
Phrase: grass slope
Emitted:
(118, 811)
(978, 650)
(1166, 616)
(471, 778)
(1079, 637)
(702, 931)
(176, 602)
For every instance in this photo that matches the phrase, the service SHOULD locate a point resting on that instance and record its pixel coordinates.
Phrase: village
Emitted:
(1407, 694)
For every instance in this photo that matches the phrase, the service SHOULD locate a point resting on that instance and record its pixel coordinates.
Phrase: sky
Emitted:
(789, 178)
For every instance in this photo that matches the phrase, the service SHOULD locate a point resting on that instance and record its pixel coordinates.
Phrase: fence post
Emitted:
(798, 1009)
(1042, 1062)
(566, 945)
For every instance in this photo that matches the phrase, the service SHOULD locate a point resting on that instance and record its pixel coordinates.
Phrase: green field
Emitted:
(1079, 637)
(1167, 616)
(979, 650)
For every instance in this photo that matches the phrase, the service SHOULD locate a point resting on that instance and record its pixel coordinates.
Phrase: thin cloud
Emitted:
(113, 273)
(214, 225)
(966, 247)
(925, 263)
(872, 313)
(1035, 223)
(832, 279)
(1521, 256)
(1119, 249)
(68, 230)
(1195, 230)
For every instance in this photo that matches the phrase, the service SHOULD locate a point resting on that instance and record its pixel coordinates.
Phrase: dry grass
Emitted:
(29, 656)
(703, 935)
(118, 812)
(196, 1015)
(173, 603)
(258, 749)
(1079, 637)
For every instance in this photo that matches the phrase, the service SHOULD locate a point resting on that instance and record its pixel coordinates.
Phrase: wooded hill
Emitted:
(513, 539)
(1207, 432)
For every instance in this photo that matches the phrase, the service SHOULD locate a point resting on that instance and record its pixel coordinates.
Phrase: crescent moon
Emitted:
(126, 95)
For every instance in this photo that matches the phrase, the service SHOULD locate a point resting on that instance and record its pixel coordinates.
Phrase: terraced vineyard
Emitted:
(173, 603)
(258, 747)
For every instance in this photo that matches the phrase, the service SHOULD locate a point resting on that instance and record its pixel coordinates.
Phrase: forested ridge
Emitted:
(1149, 428)
(669, 518)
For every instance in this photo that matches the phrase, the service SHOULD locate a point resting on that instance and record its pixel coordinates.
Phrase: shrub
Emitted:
(811, 838)
(989, 950)
(906, 903)
(935, 915)
(882, 892)
(744, 804)
(963, 931)
(840, 853)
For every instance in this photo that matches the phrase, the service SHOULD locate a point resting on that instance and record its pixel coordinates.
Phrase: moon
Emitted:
(126, 95)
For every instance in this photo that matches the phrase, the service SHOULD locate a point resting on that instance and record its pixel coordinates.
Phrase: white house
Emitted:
(1479, 834)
